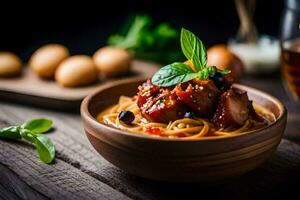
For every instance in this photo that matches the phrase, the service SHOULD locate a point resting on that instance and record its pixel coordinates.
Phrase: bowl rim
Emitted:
(84, 111)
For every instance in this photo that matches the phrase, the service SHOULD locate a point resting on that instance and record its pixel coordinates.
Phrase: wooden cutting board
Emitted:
(32, 90)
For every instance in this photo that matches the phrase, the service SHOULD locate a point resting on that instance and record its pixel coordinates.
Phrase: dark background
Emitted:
(84, 26)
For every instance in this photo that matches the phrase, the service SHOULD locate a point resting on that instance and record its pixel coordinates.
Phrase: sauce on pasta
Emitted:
(184, 128)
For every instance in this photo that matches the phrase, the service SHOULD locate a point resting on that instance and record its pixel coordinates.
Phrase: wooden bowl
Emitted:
(165, 159)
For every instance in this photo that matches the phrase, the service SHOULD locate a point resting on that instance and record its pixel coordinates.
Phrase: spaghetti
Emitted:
(185, 128)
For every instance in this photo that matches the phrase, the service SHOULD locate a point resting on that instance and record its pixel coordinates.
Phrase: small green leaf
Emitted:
(225, 71)
(173, 74)
(27, 135)
(11, 132)
(193, 49)
(205, 73)
(29, 132)
(37, 125)
(45, 148)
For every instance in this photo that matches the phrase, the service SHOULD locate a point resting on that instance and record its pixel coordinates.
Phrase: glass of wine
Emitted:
(290, 47)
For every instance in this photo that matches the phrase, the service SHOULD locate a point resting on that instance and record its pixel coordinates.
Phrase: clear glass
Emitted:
(290, 47)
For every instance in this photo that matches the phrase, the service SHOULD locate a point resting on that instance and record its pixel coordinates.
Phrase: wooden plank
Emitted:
(293, 127)
(17, 188)
(73, 146)
(56, 181)
(274, 179)
(5, 194)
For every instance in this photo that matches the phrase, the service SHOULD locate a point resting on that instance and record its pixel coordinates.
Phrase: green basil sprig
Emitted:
(177, 72)
(31, 131)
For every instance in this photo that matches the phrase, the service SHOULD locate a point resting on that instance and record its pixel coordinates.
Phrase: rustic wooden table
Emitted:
(80, 173)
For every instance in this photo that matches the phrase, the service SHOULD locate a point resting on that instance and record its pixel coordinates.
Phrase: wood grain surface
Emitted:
(80, 173)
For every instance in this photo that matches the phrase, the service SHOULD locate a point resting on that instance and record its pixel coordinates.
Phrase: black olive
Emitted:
(189, 115)
(126, 116)
(218, 79)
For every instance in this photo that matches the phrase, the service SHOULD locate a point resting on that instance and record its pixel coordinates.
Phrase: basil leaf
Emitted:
(11, 132)
(37, 125)
(193, 49)
(27, 135)
(29, 131)
(225, 71)
(45, 148)
(205, 73)
(173, 74)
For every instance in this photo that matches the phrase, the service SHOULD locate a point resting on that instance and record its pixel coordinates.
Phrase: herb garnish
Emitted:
(178, 72)
(31, 132)
(149, 42)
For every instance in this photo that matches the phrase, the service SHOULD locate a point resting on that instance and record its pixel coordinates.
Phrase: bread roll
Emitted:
(112, 61)
(76, 71)
(46, 59)
(10, 64)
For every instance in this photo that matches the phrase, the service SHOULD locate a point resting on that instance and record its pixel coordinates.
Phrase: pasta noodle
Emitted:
(185, 128)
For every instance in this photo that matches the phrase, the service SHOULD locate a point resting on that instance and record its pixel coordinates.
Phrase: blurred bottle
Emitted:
(260, 53)
(290, 47)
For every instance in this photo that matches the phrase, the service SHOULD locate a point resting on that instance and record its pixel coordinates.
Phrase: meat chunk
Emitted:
(200, 96)
(159, 104)
(233, 108)
(229, 80)
(252, 114)
(146, 90)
